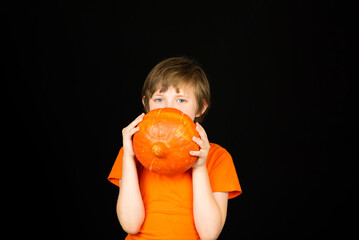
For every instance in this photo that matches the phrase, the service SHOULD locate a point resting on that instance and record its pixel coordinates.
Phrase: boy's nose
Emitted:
(170, 104)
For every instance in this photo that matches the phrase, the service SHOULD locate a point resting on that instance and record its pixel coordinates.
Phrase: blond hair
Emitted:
(178, 72)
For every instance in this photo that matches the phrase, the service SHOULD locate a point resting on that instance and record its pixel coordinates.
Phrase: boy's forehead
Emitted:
(185, 89)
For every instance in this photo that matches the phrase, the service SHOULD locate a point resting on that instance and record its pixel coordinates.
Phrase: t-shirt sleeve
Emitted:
(116, 171)
(222, 172)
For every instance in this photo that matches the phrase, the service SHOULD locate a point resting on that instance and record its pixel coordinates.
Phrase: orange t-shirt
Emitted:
(168, 199)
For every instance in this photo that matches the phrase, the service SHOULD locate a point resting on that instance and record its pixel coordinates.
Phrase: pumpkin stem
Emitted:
(159, 149)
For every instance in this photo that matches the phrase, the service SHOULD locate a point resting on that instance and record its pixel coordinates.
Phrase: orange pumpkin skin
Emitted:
(164, 140)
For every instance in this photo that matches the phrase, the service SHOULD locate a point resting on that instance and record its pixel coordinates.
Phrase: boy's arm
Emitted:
(209, 209)
(130, 208)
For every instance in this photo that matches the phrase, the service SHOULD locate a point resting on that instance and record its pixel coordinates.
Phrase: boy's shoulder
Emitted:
(218, 158)
(216, 149)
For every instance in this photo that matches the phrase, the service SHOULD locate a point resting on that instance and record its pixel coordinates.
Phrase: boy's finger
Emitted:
(134, 130)
(137, 120)
(195, 153)
(201, 131)
(199, 141)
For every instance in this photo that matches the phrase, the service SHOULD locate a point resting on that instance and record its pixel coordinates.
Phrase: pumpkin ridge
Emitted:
(178, 125)
(156, 118)
(181, 117)
(150, 168)
(156, 121)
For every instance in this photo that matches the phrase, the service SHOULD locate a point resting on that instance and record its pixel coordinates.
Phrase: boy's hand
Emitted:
(204, 147)
(127, 134)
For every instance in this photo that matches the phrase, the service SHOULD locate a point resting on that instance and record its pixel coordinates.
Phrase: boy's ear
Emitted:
(203, 110)
(144, 104)
(143, 100)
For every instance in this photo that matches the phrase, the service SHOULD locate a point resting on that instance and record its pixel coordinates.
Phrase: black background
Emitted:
(283, 105)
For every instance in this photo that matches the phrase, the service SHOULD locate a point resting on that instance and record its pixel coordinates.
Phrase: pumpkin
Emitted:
(164, 140)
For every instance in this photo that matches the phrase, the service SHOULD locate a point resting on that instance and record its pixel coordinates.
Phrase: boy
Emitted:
(192, 205)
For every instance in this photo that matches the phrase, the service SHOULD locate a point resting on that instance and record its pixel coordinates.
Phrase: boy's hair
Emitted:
(178, 72)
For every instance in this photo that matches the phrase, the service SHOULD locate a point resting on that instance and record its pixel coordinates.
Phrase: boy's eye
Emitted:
(181, 100)
(158, 100)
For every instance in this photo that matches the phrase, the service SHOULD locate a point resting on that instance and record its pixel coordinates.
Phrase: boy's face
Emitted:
(183, 100)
